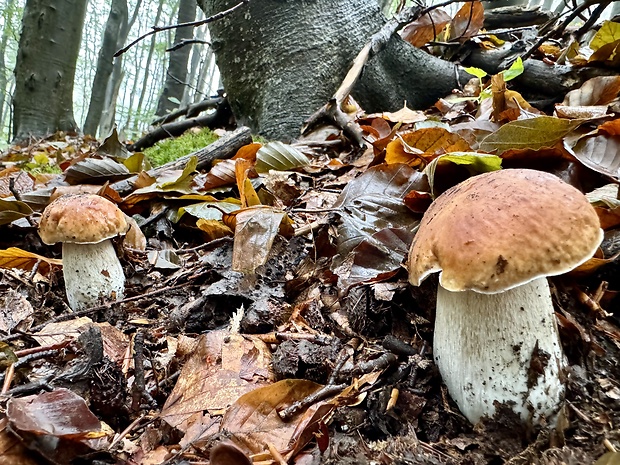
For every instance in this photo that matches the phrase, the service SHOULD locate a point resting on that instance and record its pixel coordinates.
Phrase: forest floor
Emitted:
(198, 360)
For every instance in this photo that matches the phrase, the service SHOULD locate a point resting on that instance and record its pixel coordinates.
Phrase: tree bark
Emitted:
(116, 20)
(281, 61)
(45, 67)
(146, 70)
(176, 76)
(8, 17)
(108, 115)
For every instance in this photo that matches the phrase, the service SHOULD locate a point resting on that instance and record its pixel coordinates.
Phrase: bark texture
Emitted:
(45, 68)
(176, 76)
(117, 21)
(282, 60)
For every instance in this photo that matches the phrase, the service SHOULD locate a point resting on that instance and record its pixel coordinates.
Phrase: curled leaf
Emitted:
(279, 156)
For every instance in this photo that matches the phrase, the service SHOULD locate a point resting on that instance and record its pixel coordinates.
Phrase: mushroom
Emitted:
(85, 223)
(495, 238)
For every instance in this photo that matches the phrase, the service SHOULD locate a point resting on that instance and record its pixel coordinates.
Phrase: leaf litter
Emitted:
(267, 316)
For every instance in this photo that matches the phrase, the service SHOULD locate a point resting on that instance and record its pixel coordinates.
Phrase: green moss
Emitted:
(170, 149)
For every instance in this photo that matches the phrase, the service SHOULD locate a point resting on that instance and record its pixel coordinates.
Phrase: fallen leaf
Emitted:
(467, 21)
(279, 156)
(57, 424)
(600, 90)
(533, 133)
(425, 28)
(11, 210)
(212, 378)
(14, 257)
(253, 420)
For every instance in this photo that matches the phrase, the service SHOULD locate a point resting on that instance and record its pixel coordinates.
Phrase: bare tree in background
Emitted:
(117, 21)
(176, 76)
(45, 68)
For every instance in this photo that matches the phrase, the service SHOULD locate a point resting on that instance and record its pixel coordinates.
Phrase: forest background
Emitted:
(143, 69)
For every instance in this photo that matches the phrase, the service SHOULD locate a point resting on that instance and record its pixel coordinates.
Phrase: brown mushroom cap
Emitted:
(501, 229)
(81, 219)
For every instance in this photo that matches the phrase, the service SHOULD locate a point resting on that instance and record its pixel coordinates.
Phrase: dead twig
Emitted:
(156, 29)
(332, 110)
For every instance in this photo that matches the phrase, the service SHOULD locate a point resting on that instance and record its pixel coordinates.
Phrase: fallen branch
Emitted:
(190, 111)
(221, 117)
(222, 148)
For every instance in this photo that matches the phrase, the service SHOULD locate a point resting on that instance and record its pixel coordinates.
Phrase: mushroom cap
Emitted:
(81, 219)
(504, 228)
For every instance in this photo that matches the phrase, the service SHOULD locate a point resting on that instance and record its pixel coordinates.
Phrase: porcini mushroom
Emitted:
(85, 223)
(495, 238)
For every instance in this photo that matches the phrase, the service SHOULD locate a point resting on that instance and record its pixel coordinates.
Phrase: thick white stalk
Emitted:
(91, 271)
(484, 345)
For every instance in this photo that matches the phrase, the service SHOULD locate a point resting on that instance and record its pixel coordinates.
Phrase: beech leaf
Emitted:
(96, 169)
(373, 213)
(14, 257)
(255, 230)
(600, 153)
(253, 419)
(280, 157)
(600, 90)
(11, 210)
(533, 133)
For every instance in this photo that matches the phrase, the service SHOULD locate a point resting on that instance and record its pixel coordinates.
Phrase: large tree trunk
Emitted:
(282, 60)
(283, 70)
(117, 20)
(45, 67)
(176, 76)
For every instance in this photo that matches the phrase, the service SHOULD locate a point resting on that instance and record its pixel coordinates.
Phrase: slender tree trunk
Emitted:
(147, 66)
(176, 75)
(194, 68)
(202, 77)
(45, 68)
(116, 20)
(109, 113)
(8, 17)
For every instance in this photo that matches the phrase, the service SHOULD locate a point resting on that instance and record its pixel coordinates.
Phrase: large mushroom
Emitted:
(85, 223)
(495, 238)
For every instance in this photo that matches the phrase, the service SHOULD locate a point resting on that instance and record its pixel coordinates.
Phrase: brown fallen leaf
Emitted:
(213, 377)
(57, 424)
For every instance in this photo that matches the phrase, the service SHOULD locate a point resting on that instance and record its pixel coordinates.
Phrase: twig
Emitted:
(156, 29)
(560, 27)
(138, 391)
(323, 393)
(95, 309)
(378, 41)
(185, 42)
(128, 430)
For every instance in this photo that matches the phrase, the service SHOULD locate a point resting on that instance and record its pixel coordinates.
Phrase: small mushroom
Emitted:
(495, 238)
(85, 223)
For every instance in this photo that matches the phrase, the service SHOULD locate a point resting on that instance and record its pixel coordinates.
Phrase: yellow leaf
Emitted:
(14, 257)
(608, 33)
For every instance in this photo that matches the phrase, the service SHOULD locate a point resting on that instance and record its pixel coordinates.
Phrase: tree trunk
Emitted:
(147, 67)
(116, 20)
(45, 67)
(106, 120)
(6, 32)
(281, 61)
(176, 76)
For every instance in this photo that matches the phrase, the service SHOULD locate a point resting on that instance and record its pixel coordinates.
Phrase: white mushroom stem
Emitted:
(91, 272)
(500, 347)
